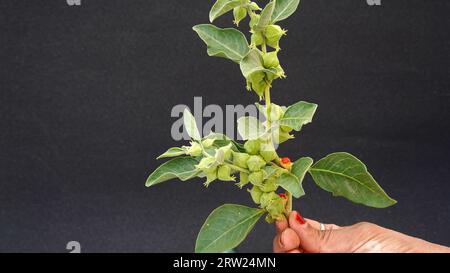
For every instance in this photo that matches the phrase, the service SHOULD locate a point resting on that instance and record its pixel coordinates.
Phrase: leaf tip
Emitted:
(211, 18)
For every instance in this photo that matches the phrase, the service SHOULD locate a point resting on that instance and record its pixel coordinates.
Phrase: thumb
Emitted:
(311, 240)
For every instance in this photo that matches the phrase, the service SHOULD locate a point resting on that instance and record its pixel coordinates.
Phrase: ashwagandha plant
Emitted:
(271, 181)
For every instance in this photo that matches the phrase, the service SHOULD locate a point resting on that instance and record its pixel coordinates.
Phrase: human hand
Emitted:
(298, 235)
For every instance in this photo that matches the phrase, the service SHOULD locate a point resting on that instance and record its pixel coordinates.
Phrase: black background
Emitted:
(86, 95)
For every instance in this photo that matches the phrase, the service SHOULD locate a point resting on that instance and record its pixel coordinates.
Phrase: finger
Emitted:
(277, 246)
(295, 251)
(310, 238)
(281, 225)
(316, 224)
(289, 239)
(285, 241)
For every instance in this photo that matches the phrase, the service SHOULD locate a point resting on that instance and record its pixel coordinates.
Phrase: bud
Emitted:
(254, 20)
(280, 72)
(271, 59)
(207, 142)
(286, 129)
(256, 178)
(243, 179)
(269, 185)
(248, 85)
(267, 197)
(194, 150)
(254, 6)
(259, 88)
(268, 152)
(252, 147)
(273, 34)
(276, 112)
(224, 173)
(223, 153)
(257, 39)
(256, 193)
(255, 163)
(211, 175)
(206, 164)
(240, 159)
(280, 136)
(258, 83)
(283, 136)
(269, 219)
(276, 208)
(239, 14)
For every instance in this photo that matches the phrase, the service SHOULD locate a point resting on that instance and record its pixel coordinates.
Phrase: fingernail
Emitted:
(300, 219)
(281, 239)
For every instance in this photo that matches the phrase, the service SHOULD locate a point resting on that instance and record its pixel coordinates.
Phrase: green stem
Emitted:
(237, 168)
(267, 99)
(289, 203)
(264, 47)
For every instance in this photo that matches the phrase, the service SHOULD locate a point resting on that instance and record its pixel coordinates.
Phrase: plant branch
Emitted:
(237, 168)
(289, 203)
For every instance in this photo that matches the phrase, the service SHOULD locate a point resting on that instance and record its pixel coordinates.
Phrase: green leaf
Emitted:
(191, 125)
(226, 43)
(226, 227)
(291, 183)
(182, 168)
(284, 9)
(298, 114)
(301, 167)
(221, 7)
(344, 175)
(253, 62)
(172, 152)
(266, 17)
(250, 128)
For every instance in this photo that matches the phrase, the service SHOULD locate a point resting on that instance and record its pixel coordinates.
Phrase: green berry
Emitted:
(267, 197)
(240, 159)
(254, 20)
(273, 34)
(239, 14)
(256, 193)
(207, 142)
(269, 219)
(256, 178)
(211, 175)
(224, 173)
(252, 147)
(271, 59)
(254, 6)
(268, 151)
(269, 185)
(280, 136)
(194, 150)
(257, 38)
(276, 112)
(243, 179)
(223, 153)
(276, 207)
(206, 164)
(255, 163)
(268, 155)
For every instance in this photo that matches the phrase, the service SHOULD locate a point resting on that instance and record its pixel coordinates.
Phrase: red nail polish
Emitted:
(300, 219)
(282, 195)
